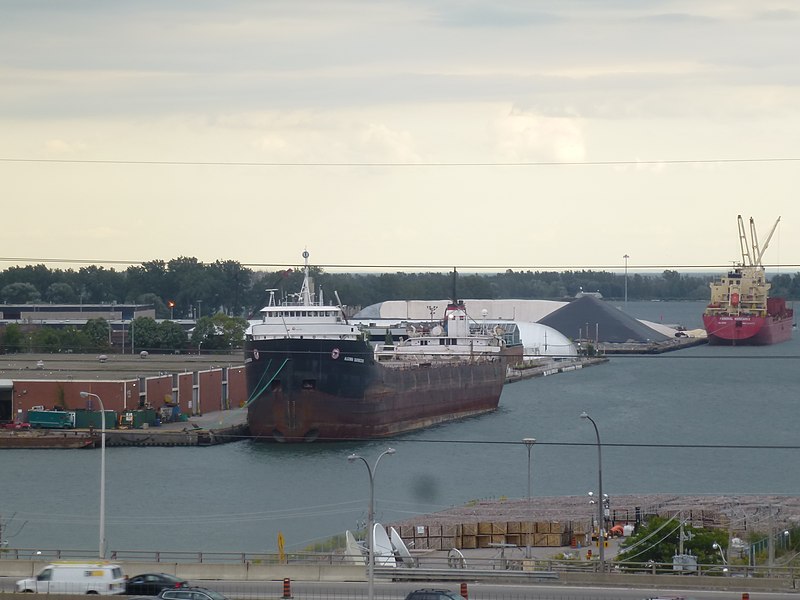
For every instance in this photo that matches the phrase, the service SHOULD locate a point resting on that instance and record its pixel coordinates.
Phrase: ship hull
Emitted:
(307, 390)
(747, 329)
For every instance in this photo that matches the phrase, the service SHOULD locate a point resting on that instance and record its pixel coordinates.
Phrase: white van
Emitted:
(76, 578)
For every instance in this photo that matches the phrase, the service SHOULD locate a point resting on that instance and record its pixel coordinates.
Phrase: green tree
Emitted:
(100, 284)
(13, 339)
(98, 332)
(204, 334)
(232, 328)
(658, 540)
(75, 340)
(219, 332)
(45, 339)
(228, 280)
(171, 336)
(190, 282)
(145, 333)
(61, 293)
(20, 293)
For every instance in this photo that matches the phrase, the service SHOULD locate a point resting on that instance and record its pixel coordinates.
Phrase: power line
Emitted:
(591, 163)
(418, 267)
(561, 444)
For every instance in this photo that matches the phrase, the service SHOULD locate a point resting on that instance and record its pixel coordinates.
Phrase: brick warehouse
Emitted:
(197, 384)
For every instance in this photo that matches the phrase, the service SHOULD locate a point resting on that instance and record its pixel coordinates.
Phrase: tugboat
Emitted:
(740, 311)
(312, 375)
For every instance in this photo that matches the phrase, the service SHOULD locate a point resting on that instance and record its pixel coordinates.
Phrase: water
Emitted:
(237, 497)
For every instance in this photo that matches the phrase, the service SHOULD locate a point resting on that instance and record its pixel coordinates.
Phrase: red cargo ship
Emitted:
(741, 311)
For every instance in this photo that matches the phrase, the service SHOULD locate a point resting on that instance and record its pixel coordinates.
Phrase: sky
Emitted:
(399, 135)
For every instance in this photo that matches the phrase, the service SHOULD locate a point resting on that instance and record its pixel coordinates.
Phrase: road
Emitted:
(257, 590)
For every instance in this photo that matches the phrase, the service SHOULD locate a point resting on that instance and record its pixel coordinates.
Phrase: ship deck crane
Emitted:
(758, 253)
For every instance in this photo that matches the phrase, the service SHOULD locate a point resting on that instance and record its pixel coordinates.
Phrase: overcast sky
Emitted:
(389, 133)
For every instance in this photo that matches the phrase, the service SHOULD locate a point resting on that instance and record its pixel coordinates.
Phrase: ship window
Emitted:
(442, 341)
(309, 384)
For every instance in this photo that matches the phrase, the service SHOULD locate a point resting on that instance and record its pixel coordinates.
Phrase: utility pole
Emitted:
(771, 542)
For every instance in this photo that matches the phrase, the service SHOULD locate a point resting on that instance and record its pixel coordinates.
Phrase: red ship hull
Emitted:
(748, 329)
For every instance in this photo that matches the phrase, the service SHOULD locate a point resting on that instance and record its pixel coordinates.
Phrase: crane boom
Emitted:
(760, 254)
(746, 260)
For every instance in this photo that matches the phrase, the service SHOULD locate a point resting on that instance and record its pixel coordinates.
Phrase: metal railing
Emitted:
(423, 564)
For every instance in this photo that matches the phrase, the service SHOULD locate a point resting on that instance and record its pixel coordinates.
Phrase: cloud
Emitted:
(61, 147)
(527, 137)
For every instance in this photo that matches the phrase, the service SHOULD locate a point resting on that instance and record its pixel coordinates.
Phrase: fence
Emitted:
(423, 563)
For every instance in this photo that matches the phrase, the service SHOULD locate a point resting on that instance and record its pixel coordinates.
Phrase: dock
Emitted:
(200, 430)
(209, 429)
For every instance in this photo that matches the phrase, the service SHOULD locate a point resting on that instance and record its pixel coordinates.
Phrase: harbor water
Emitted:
(704, 420)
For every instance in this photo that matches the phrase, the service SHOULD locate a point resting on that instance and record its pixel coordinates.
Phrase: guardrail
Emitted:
(423, 574)
(423, 562)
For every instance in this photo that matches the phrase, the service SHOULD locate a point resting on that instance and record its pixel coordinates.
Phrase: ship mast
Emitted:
(305, 291)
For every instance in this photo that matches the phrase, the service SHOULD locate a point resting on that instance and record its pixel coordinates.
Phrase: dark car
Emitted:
(434, 594)
(191, 593)
(150, 584)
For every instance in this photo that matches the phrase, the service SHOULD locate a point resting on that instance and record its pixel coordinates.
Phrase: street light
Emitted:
(102, 550)
(371, 516)
(716, 546)
(601, 539)
(529, 442)
(626, 257)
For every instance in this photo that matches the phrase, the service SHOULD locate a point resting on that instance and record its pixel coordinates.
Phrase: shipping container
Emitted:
(50, 419)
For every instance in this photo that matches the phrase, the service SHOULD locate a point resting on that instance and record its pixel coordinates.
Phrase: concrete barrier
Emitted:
(685, 582)
(20, 568)
(212, 571)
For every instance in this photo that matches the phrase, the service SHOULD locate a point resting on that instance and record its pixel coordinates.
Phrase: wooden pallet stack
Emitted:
(485, 534)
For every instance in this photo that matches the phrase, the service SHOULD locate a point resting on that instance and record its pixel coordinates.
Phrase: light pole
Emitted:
(601, 539)
(371, 516)
(102, 549)
(199, 306)
(432, 310)
(716, 546)
(626, 257)
(529, 442)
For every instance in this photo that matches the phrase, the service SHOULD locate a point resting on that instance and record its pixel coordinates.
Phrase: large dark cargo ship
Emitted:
(311, 375)
(740, 311)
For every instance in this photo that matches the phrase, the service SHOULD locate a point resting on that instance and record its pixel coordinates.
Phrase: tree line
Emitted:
(217, 333)
(185, 288)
